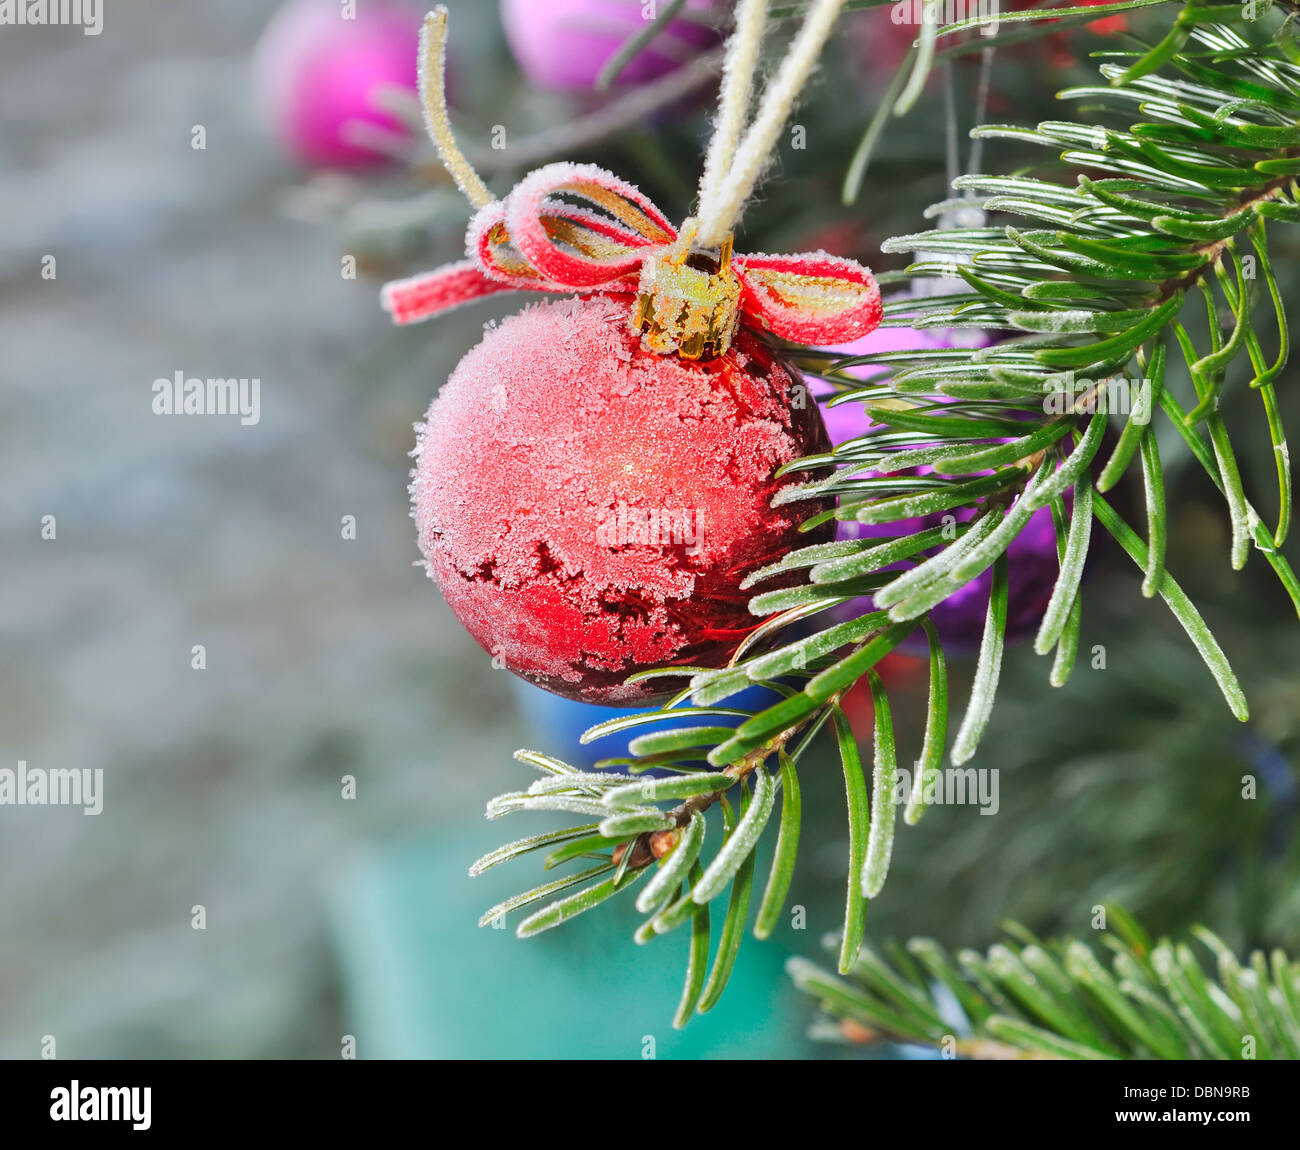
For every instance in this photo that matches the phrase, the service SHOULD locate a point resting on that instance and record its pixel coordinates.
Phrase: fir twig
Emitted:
(1028, 999)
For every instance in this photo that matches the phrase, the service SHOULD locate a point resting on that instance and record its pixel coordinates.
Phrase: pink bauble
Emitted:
(563, 44)
(314, 71)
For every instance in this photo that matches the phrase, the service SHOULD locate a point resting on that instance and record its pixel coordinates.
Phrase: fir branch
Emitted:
(1098, 288)
(1031, 999)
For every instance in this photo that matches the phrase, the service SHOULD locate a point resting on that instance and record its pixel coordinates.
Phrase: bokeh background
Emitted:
(328, 657)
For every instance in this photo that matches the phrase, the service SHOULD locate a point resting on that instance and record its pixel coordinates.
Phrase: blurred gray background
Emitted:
(325, 656)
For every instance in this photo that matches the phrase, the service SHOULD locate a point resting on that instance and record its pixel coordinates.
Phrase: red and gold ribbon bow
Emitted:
(578, 228)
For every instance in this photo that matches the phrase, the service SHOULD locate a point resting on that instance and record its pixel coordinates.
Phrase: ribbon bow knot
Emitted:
(578, 228)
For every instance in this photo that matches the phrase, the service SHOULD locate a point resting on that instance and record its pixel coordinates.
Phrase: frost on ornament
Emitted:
(590, 508)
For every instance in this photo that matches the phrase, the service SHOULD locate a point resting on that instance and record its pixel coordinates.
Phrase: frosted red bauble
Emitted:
(590, 508)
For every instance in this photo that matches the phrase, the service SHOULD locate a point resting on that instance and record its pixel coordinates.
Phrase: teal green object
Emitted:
(423, 980)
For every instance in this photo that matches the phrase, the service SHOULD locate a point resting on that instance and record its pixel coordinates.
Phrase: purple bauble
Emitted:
(315, 71)
(563, 44)
(1032, 559)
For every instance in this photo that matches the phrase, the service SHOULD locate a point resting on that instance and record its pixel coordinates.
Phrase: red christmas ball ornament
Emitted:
(596, 479)
(589, 508)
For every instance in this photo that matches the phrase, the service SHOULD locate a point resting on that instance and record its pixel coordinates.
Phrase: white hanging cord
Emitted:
(718, 214)
(737, 85)
(433, 98)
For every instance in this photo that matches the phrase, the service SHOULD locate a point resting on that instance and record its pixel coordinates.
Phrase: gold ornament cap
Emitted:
(688, 301)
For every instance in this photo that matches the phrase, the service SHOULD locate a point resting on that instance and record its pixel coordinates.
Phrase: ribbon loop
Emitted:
(812, 298)
(535, 219)
(536, 239)
(488, 242)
